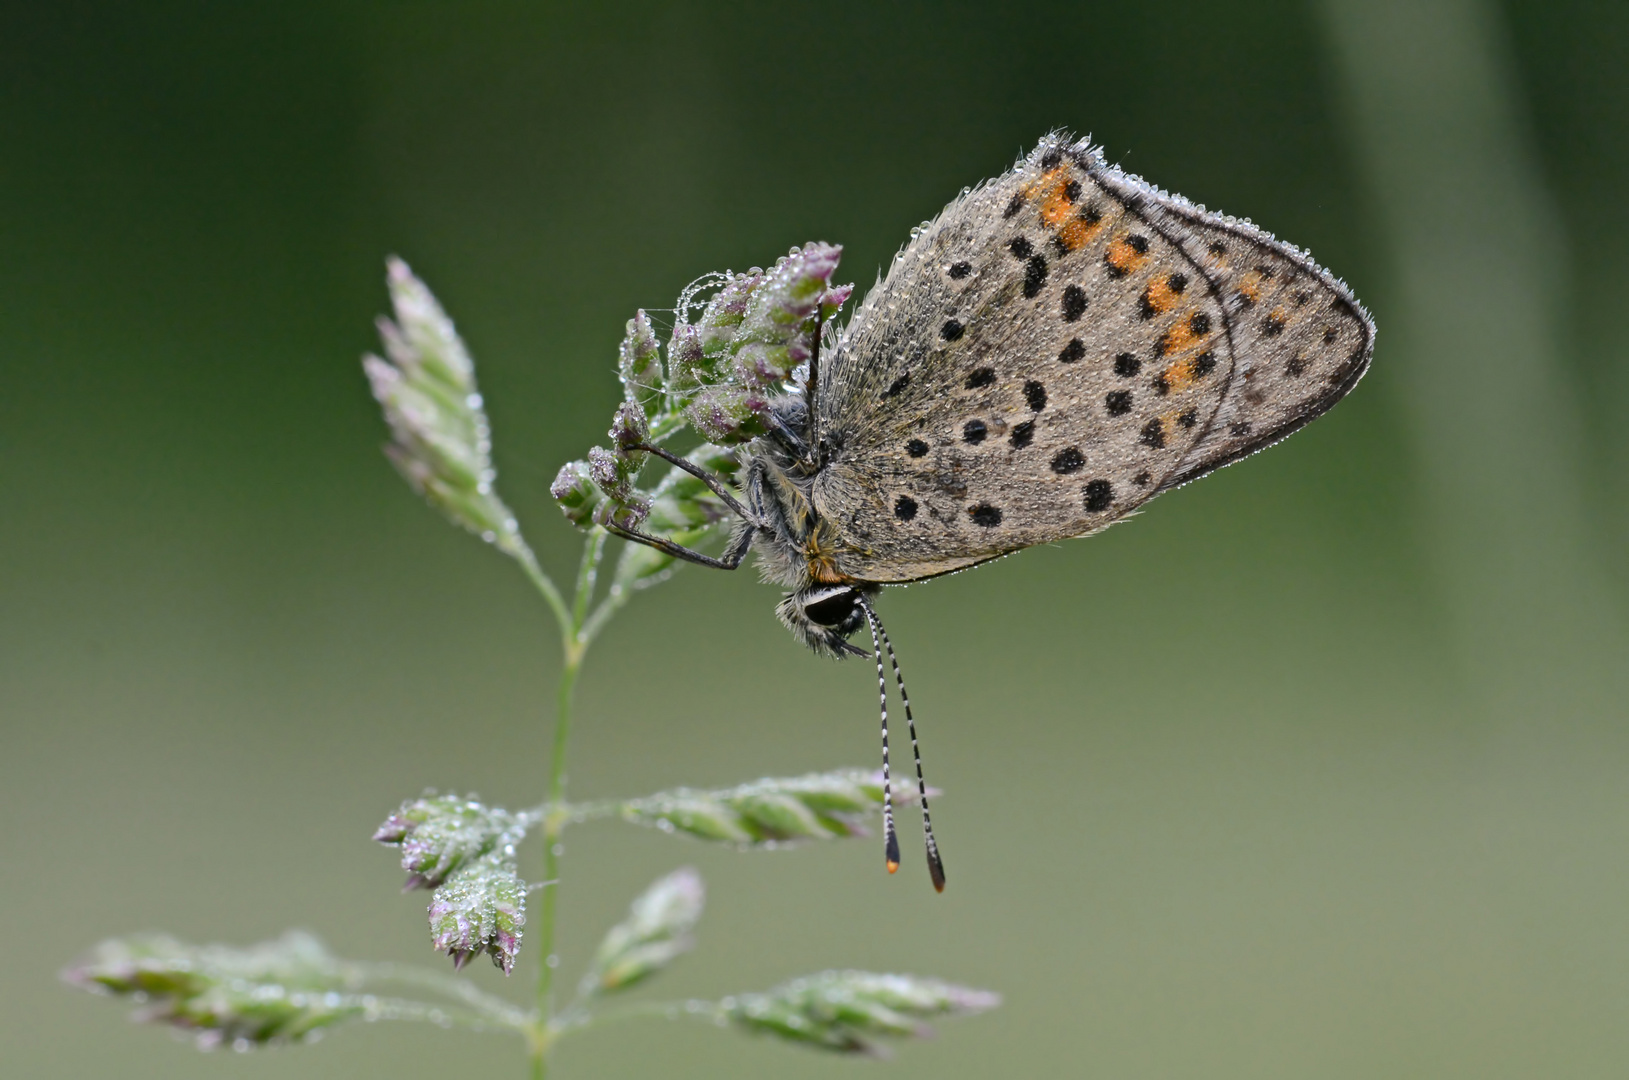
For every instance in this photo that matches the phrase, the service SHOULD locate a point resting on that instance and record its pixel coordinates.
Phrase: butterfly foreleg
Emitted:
(713, 483)
(730, 560)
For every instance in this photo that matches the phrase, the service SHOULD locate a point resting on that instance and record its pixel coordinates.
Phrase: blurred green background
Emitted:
(1318, 768)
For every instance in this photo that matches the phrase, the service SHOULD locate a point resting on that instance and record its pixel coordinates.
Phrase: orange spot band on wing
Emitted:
(1250, 287)
(1078, 232)
(1159, 297)
(1057, 204)
(1123, 257)
(1182, 374)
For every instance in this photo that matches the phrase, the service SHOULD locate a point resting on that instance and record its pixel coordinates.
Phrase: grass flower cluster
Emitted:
(718, 371)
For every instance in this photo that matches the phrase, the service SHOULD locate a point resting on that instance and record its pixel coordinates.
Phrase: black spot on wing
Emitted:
(1068, 460)
(1034, 276)
(1074, 302)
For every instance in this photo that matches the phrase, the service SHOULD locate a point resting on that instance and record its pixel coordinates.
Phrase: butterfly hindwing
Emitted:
(1301, 341)
(1039, 360)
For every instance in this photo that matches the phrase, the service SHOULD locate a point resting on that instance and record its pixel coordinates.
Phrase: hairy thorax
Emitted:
(797, 547)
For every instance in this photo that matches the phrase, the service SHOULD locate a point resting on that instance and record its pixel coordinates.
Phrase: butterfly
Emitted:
(1060, 345)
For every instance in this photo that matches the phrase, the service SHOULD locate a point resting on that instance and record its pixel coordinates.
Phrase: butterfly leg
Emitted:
(713, 483)
(730, 560)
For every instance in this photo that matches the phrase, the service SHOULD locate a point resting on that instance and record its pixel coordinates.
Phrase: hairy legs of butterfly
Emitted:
(837, 610)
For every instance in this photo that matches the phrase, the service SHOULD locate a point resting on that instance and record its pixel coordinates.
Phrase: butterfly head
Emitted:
(823, 617)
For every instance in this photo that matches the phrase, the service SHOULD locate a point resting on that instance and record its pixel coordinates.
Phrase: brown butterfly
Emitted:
(1060, 345)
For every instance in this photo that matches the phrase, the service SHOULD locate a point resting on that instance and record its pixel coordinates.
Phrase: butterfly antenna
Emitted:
(890, 842)
(936, 866)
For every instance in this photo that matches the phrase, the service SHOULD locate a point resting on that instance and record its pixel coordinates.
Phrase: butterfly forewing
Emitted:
(1039, 360)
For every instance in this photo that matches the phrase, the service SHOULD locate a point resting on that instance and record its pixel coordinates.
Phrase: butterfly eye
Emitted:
(835, 609)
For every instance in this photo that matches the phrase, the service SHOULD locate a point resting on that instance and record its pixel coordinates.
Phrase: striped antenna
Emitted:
(890, 841)
(936, 866)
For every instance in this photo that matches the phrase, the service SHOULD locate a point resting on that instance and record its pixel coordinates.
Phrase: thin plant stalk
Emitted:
(575, 641)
